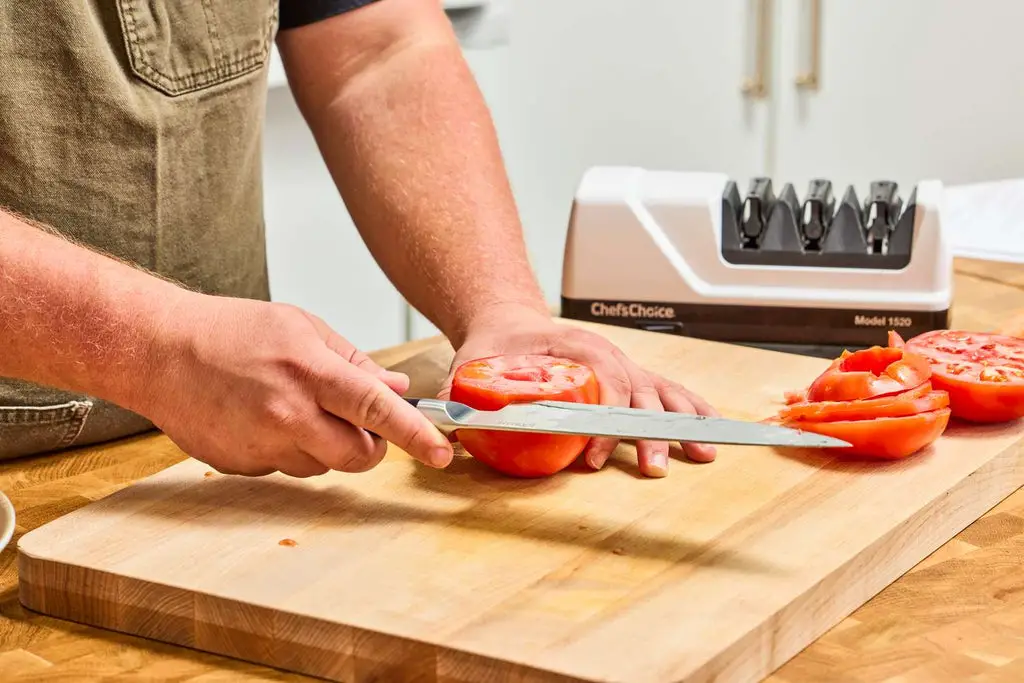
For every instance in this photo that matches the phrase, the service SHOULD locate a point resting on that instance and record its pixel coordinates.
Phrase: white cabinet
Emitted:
(907, 90)
(652, 83)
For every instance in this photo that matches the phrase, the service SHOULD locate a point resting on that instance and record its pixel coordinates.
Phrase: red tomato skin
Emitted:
(982, 404)
(883, 438)
(521, 454)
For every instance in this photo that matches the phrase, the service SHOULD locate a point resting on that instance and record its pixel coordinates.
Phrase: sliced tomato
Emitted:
(918, 400)
(895, 340)
(887, 438)
(494, 382)
(869, 373)
(792, 397)
(982, 372)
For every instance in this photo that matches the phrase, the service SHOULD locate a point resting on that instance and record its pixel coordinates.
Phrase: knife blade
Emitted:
(558, 417)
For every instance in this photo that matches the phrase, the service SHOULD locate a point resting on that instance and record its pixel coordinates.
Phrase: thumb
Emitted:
(445, 394)
(446, 387)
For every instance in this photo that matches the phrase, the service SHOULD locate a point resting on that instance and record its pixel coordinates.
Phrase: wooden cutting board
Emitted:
(720, 571)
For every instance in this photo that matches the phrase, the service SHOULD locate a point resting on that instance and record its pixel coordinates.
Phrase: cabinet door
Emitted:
(908, 90)
(317, 259)
(651, 83)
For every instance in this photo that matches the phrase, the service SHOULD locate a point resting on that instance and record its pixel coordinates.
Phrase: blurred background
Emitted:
(851, 91)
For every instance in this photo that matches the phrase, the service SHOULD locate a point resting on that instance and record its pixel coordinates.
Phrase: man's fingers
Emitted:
(616, 390)
(301, 464)
(678, 400)
(652, 456)
(397, 381)
(367, 402)
(340, 446)
(703, 407)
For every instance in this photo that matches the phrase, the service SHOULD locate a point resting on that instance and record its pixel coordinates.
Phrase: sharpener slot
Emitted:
(816, 214)
(882, 209)
(757, 208)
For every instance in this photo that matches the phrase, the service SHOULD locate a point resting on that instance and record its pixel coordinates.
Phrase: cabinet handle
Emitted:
(809, 79)
(756, 86)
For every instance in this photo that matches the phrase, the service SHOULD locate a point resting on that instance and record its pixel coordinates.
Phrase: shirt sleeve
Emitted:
(301, 12)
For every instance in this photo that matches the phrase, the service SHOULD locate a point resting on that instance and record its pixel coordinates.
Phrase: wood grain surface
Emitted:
(813, 578)
(958, 615)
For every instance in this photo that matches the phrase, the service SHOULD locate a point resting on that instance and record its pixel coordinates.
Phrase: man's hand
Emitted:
(410, 143)
(252, 388)
(516, 330)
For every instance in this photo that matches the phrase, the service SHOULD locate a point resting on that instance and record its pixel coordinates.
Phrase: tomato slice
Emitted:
(794, 396)
(494, 382)
(918, 400)
(869, 373)
(886, 438)
(982, 372)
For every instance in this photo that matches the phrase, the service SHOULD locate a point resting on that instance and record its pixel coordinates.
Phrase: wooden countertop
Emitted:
(958, 615)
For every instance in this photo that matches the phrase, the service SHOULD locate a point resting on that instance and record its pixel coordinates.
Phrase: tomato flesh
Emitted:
(494, 382)
(886, 438)
(920, 399)
(983, 373)
(880, 400)
(869, 373)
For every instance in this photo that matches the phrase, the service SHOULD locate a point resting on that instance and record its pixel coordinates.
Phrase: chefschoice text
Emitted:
(600, 309)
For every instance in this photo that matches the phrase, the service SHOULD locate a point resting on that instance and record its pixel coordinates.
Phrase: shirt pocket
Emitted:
(30, 430)
(181, 46)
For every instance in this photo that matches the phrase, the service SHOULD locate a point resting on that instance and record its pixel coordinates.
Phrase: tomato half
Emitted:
(494, 382)
(869, 373)
(887, 438)
(918, 400)
(982, 372)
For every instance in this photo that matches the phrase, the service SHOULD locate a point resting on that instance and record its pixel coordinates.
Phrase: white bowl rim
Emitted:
(7, 518)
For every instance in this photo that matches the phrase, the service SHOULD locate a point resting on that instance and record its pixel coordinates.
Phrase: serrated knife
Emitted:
(557, 417)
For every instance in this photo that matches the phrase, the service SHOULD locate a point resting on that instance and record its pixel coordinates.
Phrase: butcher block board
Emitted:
(720, 571)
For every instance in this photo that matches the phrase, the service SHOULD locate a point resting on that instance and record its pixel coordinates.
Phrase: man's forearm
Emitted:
(73, 319)
(411, 145)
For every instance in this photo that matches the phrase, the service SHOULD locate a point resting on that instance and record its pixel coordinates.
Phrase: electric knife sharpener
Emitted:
(685, 253)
